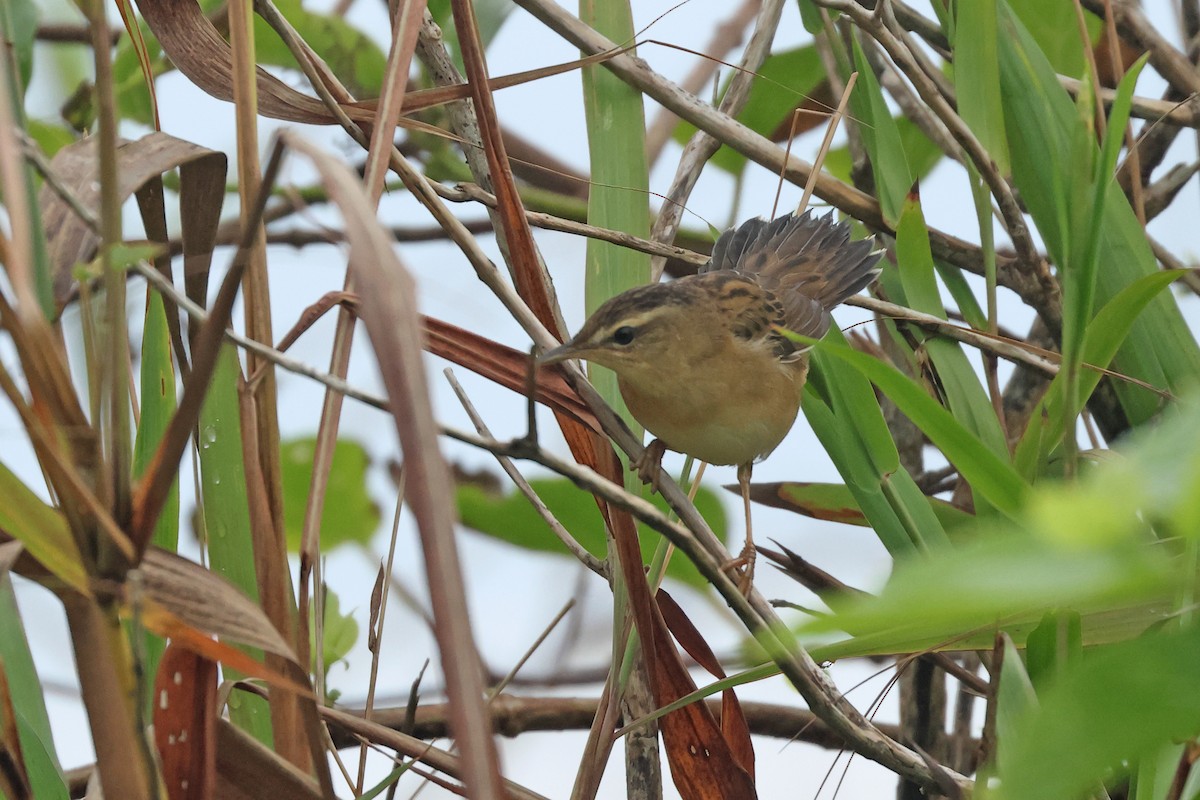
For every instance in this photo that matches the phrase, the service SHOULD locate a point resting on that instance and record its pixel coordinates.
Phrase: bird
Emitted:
(702, 361)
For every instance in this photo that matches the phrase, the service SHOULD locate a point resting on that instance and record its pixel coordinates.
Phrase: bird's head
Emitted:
(632, 334)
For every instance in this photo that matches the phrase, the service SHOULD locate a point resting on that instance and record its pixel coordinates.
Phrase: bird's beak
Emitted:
(555, 355)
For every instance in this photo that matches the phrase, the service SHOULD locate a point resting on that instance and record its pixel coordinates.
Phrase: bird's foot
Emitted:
(649, 464)
(742, 568)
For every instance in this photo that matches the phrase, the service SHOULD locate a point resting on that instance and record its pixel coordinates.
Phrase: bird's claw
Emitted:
(742, 568)
(649, 464)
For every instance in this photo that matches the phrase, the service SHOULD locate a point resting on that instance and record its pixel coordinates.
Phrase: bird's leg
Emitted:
(650, 463)
(748, 554)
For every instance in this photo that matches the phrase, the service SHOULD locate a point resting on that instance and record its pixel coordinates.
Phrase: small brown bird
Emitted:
(701, 362)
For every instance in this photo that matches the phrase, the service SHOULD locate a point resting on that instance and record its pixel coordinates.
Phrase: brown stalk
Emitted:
(113, 485)
(391, 320)
(414, 748)
(106, 686)
(518, 714)
(406, 23)
(528, 272)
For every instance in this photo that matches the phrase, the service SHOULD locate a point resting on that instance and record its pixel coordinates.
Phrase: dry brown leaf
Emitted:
(506, 366)
(199, 51)
(247, 770)
(72, 240)
(207, 602)
(734, 728)
(185, 723)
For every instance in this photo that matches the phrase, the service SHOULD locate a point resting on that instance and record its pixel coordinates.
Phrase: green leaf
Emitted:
(990, 476)
(340, 632)
(810, 15)
(965, 395)
(42, 530)
(1053, 645)
(512, 519)
(134, 101)
(1042, 125)
(28, 702)
(920, 152)
(1119, 705)
(50, 138)
(958, 598)
(619, 195)
(1053, 26)
(1097, 530)
(1106, 333)
(18, 23)
(977, 77)
(158, 404)
(1015, 696)
(1153, 776)
(841, 407)
(881, 137)
(225, 515)
(349, 515)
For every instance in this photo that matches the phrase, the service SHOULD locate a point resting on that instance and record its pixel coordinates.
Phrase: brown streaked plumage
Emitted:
(700, 361)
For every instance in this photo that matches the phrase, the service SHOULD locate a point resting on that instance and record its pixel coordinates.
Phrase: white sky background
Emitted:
(514, 594)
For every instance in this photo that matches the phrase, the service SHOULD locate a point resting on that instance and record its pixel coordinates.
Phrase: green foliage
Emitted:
(837, 503)
(50, 138)
(226, 513)
(1094, 578)
(18, 23)
(157, 393)
(340, 632)
(42, 531)
(1123, 703)
(1053, 25)
(881, 138)
(990, 475)
(920, 153)
(512, 519)
(977, 77)
(1048, 139)
(129, 82)
(352, 55)
(619, 195)
(964, 394)
(840, 404)
(349, 515)
(28, 704)
(781, 84)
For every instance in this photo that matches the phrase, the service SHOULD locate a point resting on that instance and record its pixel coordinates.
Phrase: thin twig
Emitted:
(579, 551)
(701, 147)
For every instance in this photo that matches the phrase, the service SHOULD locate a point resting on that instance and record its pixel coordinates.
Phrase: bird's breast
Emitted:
(732, 413)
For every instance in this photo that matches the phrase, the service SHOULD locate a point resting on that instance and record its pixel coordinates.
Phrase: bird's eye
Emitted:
(624, 335)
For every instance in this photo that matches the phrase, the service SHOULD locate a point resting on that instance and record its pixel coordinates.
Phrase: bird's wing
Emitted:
(809, 264)
(757, 310)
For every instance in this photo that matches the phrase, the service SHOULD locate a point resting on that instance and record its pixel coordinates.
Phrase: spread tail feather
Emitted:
(807, 255)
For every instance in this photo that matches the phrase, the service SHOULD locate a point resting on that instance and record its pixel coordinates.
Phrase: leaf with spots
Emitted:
(185, 720)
